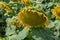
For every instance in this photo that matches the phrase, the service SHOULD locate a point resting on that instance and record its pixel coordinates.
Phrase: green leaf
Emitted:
(53, 24)
(42, 34)
(22, 34)
(10, 30)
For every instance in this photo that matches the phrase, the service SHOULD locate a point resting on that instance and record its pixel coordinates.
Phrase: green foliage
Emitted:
(12, 32)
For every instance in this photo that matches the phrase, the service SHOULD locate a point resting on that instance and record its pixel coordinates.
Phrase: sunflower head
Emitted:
(6, 8)
(56, 11)
(30, 17)
(26, 2)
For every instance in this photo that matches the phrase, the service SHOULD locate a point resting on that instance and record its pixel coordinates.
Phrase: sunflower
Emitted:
(27, 2)
(30, 18)
(6, 8)
(56, 11)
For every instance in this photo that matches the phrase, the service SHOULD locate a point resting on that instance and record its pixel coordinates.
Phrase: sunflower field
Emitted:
(29, 19)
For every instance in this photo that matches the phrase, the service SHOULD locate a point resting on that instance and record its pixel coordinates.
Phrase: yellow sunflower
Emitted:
(27, 2)
(6, 8)
(30, 18)
(56, 11)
